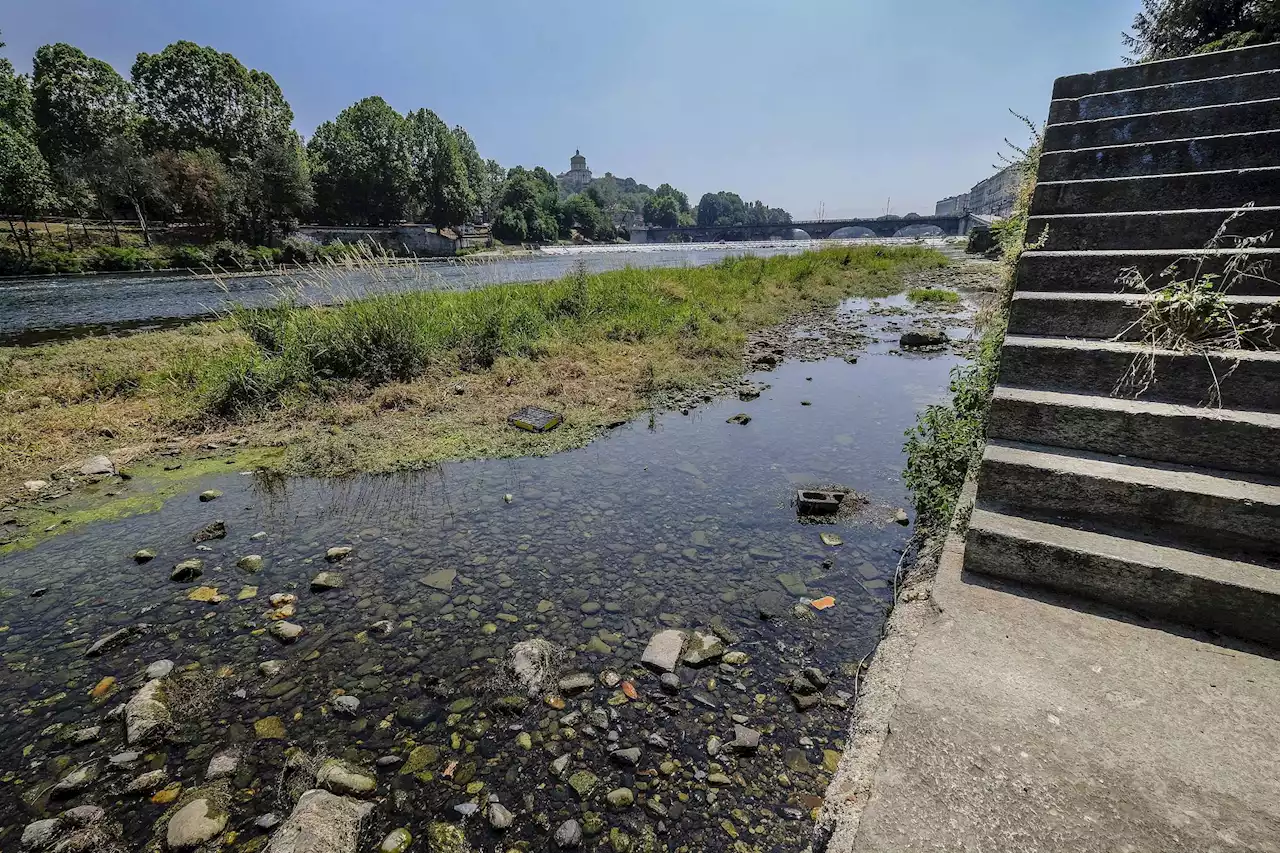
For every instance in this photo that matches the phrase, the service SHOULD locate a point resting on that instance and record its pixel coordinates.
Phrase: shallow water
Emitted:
(48, 309)
(668, 521)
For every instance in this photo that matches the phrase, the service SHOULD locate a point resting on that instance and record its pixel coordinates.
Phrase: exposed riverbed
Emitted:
(56, 308)
(675, 521)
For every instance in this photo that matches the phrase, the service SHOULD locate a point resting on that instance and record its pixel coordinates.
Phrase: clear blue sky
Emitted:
(794, 102)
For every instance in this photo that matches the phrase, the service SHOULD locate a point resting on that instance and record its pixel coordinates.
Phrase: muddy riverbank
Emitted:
(403, 668)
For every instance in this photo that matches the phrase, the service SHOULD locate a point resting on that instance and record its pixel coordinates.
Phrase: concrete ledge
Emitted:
(1248, 117)
(1100, 316)
(1174, 95)
(1099, 271)
(1220, 64)
(1244, 380)
(1159, 192)
(1170, 505)
(1184, 230)
(1225, 439)
(1203, 154)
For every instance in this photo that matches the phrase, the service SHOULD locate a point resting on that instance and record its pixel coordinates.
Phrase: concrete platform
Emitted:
(1026, 721)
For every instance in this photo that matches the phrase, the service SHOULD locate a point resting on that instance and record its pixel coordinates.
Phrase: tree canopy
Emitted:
(1166, 29)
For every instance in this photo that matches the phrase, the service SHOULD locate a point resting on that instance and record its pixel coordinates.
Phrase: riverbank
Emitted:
(596, 349)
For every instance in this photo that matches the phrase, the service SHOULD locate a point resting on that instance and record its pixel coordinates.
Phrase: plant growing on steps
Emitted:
(1192, 314)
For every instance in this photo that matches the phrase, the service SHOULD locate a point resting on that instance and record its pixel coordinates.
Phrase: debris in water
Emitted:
(823, 603)
(831, 539)
(741, 418)
(207, 594)
(533, 419)
(818, 501)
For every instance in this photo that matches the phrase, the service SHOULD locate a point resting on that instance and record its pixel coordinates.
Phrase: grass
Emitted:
(933, 295)
(402, 379)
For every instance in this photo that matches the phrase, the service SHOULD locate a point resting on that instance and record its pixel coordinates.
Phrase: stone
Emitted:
(670, 682)
(85, 735)
(326, 581)
(772, 604)
(187, 570)
(251, 563)
(441, 580)
(146, 715)
(583, 782)
(76, 781)
(124, 759)
(816, 677)
(97, 466)
(420, 758)
(322, 822)
(745, 739)
(342, 778)
(499, 817)
(801, 685)
(923, 336)
(40, 834)
(663, 651)
(147, 782)
(34, 485)
(269, 728)
(621, 798)
(212, 530)
(259, 536)
(337, 553)
(167, 794)
(560, 765)
(630, 756)
(223, 764)
(702, 649)
(267, 822)
(210, 495)
(734, 658)
(196, 823)
(397, 841)
(346, 705)
(793, 585)
(285, 632)
(575, 683)
(901, 517)
(714, 745)
(159, 669)
(118, 637)
(144, 555)
(718, 779)
(568, 835)
(805, 703)
(271, 668)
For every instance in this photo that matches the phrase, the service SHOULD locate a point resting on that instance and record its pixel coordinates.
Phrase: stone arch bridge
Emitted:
(953, 226)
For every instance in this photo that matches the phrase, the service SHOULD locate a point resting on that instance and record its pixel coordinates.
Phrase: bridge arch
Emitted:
(852, 232)
(920, 231)
(797, 234)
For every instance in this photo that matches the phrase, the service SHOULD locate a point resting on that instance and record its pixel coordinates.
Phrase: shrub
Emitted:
(124, 259)
(231, 256)
(299, 250)
(188, 257)
(510, 226)
(933, 294)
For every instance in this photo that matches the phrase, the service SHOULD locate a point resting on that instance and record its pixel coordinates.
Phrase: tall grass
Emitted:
(398, 334)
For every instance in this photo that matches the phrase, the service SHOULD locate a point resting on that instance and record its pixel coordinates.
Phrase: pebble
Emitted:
(285, 632)
(251, 563)
(210, 495)
(621, 798)
(569, 835)
(159, 669)
(223, 764)
(326, 581)
(499, 817)
(663, 651)
(342, 778)
(144, 555)
(630, 756)
(187, 570)
(397, 841)
(337, 553)
(148, 782)
(347, 705)
(670, 682)
(575, 683)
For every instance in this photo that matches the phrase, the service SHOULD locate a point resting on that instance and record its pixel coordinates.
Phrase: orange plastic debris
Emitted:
(823, 603)
(103, 687)
(448, 771)
(630, 690)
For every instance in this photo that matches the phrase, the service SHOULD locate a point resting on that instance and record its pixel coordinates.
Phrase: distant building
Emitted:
(576, 179)
(993, 197)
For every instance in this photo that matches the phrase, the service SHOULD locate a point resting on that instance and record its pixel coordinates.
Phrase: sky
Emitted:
(847, 107)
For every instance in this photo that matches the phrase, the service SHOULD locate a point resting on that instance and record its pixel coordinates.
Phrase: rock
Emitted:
(84, 815)
(466, 809)
(706, 700)
(145, 555)
(793, 585)
(124, 759)
(251, 563)
(583, 782)
(575, 683)
(568, 835)
(327, 581)
(187, 570)
(223, 764)
(40, 834)
(817, 678)
(718, 779)
(663, 651)
(923, 336)
(210, 495)
(285, 632)
(342, 778)
(259, 536)
(159, 669)
(772, 604)
(97, 466)
(196, 823)
(441, 580)
(147, 782)
(714, 745)
(670, 682)
(702, 649)
(560, 765)
(397, 841)
(76, 781)
(441, 838)
(499, 817)
(269, 728)
(86, 735)
(610, 679)
(281, 599)
(742, 419)
(630, 757)
(901, 517)
(322, 822)
(103, 687)
(146, 715)
(805, 703)
(118, 637)
(346, 705)
(337, 553)
(745, 739)
(271, 668)
(621, 798)
(533, 662)
(420, 758)
(34, 485)
(212, 530)
(735, 658)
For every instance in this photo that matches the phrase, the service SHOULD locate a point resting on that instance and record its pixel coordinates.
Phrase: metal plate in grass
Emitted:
(533, 419)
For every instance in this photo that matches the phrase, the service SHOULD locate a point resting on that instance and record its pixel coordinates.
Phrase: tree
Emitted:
(196, 188)
(484, 177)
(1166, 29)
(81, 104)
(722, 208)
(682, 200)
(491, 192)
(581, 212)
(662, 210)
(441, 187)
(509, 225)
(25, 187)
(275, 191)
(528, 195)
(361, 165)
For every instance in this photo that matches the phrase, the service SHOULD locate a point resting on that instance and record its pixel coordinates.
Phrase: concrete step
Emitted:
(1247, 117)
(1202, 154)
(1221, 64)
(1098, 271)
(1102, 316)
(1165, 504)
(1225, 439)
(1163, 229)
(1230, 597)
(1176, 95)
(1245, 380)
(1186, 191)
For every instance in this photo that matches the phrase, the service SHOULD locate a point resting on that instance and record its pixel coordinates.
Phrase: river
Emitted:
(57, 308)
(672, 521)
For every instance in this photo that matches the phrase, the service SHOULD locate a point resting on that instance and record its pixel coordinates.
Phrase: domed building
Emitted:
(578, 176)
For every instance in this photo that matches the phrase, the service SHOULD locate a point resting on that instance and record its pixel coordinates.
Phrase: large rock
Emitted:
(663, 651)
(196, 823)
(40, 834)
(703, 649)
(534, 664)
(321, 823)
(924, 336)
(97, 466)
(118, 637)
(342, 778)
(146, 716)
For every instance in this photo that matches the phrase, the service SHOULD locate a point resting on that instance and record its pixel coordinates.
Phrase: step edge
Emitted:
(1162, 177)
(1168, 85)
(1134, 348)
(1244, 134)
(1253, 102)
(1098, 403)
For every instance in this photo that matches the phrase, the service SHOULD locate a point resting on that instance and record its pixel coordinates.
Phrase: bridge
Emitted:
(952, 226)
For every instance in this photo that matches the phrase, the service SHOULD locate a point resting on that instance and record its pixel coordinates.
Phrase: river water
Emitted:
(55, 308)
(669, 521)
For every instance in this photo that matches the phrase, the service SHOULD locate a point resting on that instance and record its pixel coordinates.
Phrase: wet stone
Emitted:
(583, 782)
(663, 651)
(621, 798)
(629, 757)
(147, 782)
(702, 649)
(341, 778)
(285, 632)
(144, 555)
(212, 530)
(251, 563)
(670, 682)
(196, 823)
(745, 739)
(337, 553)
(326, 581)
(187, 570)
(396, 841)
(210, 495)
(499, 817)
(441, 580)
(576, 683)
(569, 835)
(322, 822)
(76, 781)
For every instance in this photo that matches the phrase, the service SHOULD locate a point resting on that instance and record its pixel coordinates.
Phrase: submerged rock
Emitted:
(146, 715)
(285, 632)
(342, 778)
(144, 555)
(441, 580)
(397, 841)
(534, 663)
(76, 781)
(159, 669)
(251, 563)
(702, 649)
(663, 651)
(441, 838)
(322, 822)
(212, 530)
(118, 637)
(923, 337)
(210, 495)
(223, 764)
(40, 834)
(187, 570)
(575, 683)
(196, 823)
(337, 553)
(327, 581)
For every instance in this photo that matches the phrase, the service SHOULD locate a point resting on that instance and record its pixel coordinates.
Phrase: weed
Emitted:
(932, 294)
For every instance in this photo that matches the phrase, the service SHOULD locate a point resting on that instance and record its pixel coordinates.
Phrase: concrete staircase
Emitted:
(1159, 504)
